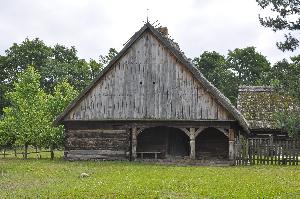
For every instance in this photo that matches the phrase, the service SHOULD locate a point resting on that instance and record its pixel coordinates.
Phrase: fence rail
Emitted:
(19, 152)
(267, 151)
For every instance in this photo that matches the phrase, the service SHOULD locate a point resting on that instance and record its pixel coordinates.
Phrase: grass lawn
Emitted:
(61, 179)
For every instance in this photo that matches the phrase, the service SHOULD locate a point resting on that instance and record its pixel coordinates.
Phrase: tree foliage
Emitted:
(213, 67)
(250, 67)
(28, 121)
(26, 117)
(7, 131)
(34, 95)
(242, 66)
(289, 121)
(63, 94)
(104, 60)
(54, 64)
(286, 77)
(286, 18)
(286, 80)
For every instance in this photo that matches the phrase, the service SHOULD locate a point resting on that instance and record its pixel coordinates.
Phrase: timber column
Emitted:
(231, 144)
(192, 144)
(133, 143)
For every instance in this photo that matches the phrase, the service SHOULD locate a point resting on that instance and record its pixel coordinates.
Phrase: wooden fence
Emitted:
(267, 151)
(19, 152)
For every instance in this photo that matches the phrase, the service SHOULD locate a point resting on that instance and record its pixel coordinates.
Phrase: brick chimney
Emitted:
(163, 30)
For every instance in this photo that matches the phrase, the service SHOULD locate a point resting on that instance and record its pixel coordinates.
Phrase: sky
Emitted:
(94, 26)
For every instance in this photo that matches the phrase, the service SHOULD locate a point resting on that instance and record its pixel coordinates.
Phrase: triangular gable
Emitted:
(180, 57)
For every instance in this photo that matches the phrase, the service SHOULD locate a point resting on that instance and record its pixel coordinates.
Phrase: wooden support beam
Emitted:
(231, 144)
(134, 142)
(192, 144)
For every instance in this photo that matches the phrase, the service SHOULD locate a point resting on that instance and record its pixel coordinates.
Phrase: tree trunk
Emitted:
(26, 151)
(36, 152)
(52, 153)
(15, 150)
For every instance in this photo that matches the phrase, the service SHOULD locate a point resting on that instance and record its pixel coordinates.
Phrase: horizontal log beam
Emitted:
(121, 124)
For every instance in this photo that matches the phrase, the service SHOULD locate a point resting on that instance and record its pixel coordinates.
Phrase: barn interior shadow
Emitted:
(166, 142)
(212, 144)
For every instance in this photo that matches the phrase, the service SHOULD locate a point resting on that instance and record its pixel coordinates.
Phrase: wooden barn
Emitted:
(151, 102)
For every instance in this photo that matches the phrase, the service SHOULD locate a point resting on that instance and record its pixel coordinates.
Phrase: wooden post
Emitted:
(26, 151)
(231, 144)
(192, 144)
(134, 143)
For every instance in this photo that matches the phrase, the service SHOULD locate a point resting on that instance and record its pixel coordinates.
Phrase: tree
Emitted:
(54, 64)
(242, 66)
(18, 57)
(213, 67)
(4, 75)
(286, 77)
(77, 73)
(63, 94)
(104, 60)
(289, 121)
(250, 67)
(26, 117)
(7, 133)
(95, 67)
(28, 53)
(286, 80)
(28, 121)
(287, 18)
(65, 65)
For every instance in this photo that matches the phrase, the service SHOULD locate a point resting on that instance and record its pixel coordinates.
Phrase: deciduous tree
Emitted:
(105, 59)
(63, 94)
(250, 67)
(213, 67)
(286, 79)
(26, 117)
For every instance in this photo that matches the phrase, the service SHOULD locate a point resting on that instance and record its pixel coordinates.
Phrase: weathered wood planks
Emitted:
(148, 83)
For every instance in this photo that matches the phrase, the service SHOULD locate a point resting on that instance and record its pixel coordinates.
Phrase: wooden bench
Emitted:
(149, 152)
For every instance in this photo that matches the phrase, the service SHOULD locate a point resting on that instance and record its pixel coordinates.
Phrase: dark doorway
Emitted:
(212, 144)
(168, 142)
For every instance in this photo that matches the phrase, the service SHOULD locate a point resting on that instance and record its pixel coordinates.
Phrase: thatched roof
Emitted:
(258, 104)
(174, 49)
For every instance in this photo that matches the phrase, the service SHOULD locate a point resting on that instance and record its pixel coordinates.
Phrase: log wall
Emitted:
(148, 83)
(97, 144)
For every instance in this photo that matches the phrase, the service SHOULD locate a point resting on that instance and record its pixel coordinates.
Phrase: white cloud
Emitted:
(93, 26)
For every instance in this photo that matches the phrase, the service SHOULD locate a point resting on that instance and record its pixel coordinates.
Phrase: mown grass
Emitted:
(61, 179)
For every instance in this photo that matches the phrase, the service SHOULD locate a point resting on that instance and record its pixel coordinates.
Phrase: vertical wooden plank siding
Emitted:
(148, 83)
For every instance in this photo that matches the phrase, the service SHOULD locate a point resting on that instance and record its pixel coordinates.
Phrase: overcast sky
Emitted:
(94, 26)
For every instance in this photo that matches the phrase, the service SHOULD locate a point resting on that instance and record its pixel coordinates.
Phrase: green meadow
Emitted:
(43, 178)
